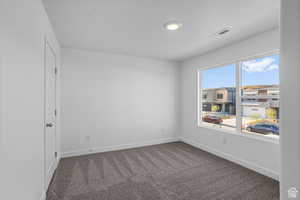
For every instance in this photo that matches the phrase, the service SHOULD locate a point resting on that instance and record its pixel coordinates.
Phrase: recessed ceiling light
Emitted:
(173, 25)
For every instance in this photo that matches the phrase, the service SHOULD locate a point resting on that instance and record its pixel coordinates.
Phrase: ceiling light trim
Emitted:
(173, 25)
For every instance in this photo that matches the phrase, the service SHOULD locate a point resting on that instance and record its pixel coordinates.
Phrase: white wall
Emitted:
(254, 153)
(289, 101)
(114, 101)
(23, 26)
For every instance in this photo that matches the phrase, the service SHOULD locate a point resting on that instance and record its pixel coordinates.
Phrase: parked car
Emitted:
(212, 119)
(264, 128)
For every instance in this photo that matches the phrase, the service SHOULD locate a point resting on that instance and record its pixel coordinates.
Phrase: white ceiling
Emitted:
(135, 27)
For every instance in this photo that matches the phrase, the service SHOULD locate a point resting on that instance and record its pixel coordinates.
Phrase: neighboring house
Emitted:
(222, 98)
(257, 100)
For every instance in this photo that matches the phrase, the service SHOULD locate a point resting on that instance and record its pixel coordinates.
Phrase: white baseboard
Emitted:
(250, 165)
(116, 147)
(43, 196)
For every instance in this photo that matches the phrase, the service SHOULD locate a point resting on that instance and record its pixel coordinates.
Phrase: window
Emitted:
(260, 76)
(218, 97)
(243, 96)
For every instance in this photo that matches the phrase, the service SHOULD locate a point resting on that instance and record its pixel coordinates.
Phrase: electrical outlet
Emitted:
(224, 141)
(292, 193)
(163, 131)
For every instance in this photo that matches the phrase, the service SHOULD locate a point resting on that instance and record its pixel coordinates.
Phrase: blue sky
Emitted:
(261, 71)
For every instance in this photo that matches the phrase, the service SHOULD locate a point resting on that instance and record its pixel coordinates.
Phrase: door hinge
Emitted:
(55, 70)
(55, 154)
(55, 112)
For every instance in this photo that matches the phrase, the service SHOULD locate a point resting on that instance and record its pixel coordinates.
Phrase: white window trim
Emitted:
(238, 129)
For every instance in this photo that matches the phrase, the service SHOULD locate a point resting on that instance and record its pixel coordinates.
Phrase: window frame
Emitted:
(238, 76)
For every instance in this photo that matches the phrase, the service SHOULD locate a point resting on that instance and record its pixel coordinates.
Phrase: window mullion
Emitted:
(238, 98)
(199, 97)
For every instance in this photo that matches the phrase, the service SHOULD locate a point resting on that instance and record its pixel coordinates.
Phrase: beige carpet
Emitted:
(173, 171)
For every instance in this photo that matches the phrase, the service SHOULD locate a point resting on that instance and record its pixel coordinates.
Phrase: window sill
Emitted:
(256, 136)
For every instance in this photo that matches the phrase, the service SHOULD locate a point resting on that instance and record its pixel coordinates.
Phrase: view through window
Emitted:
(257, 102)
(218, 96)
(260, 95)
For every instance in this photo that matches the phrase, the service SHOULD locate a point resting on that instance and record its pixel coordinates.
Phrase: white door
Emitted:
(50, 118)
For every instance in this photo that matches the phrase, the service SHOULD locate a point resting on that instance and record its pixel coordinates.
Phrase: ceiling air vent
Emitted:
(223, 31)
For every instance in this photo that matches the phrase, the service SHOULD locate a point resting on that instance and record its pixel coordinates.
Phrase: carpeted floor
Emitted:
(173, 171)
